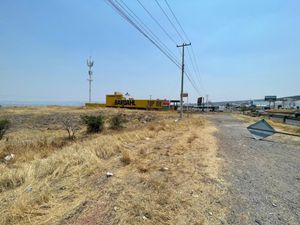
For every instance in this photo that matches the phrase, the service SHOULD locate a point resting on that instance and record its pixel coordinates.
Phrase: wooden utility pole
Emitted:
(182, 75)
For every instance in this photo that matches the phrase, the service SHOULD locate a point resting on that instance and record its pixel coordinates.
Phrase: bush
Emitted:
(71, 126)
(4, 125)
(116, 122)
(95, 124)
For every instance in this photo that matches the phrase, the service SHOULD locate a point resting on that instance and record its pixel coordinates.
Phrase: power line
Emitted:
(156, 21)
(129, 18)
(176, 20)
(192, 83)
(137, 19)
(178, 23)
(124, 16)
(164, 12)
(193, 59)
(172, 24)
(196, 70)
(193, 65)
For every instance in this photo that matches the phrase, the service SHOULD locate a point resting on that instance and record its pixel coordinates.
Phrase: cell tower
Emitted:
(90, 64)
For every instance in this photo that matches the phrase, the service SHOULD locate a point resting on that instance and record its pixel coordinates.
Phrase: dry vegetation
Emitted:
(277, 125)
(164, 171)
(282, 111)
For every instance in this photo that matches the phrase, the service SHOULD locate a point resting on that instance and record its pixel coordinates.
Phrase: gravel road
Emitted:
(263, 176)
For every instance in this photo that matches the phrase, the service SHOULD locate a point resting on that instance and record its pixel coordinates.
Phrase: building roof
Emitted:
(293, 98)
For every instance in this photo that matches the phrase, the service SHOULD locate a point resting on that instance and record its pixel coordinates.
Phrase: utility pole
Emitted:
(149, 102)
(90, 64)
(207, 103)
(182, 75)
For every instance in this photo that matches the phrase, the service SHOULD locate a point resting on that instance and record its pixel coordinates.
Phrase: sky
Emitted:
(244, 50)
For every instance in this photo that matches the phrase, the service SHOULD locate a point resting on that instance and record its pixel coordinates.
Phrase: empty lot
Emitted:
(165, 170)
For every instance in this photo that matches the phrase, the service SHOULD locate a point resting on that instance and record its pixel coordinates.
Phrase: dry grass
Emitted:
(277, 125)
(192, 138)
(165, 172)
(125, 158)
(282, 111)
(285, 127)
(172, 178)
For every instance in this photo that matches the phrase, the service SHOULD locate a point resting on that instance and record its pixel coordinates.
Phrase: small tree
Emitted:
(4, 126)
(116, 122)
(95, 124)
(71, 127)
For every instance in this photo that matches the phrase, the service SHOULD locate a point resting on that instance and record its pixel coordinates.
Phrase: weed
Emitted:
(116, 122)
(143, 168)
(126, 159)
(11, 179)
(192, 138)
(4, 126)
(95, 124)
(71, 127)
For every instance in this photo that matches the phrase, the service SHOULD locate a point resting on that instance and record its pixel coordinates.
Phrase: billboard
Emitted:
(271, 98)
(185, 95)
(200, 101)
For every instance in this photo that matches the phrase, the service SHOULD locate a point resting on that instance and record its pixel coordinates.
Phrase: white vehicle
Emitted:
(221, 108)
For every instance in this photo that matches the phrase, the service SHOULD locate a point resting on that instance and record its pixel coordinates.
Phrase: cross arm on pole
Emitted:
(183, 45)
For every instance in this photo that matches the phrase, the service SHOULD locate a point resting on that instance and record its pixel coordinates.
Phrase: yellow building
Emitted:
(120, 101)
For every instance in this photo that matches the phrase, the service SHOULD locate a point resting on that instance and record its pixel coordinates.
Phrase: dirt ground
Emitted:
(165, 170)
(263, 177)
(178, 178)
(204, 169)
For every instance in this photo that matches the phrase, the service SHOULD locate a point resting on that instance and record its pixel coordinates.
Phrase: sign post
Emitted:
(186, 95)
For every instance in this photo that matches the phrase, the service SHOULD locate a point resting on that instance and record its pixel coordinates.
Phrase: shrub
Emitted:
(116, 122)
(4, 125)
(95, 124)
(70, 126)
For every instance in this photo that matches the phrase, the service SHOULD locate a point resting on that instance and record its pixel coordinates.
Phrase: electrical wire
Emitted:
(195, 69)
(145, 27)
(124, 16)
(172, 24)
(156, 21)
(134, 19)
(193, 57)
(177, 21)
(180, 36)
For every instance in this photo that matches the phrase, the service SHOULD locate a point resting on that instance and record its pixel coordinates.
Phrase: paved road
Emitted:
(263, 176)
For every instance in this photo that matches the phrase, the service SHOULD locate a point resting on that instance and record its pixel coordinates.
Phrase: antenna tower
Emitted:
(90, 64)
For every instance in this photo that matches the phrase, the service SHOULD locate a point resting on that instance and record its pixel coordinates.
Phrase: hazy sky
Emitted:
(245, 49)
